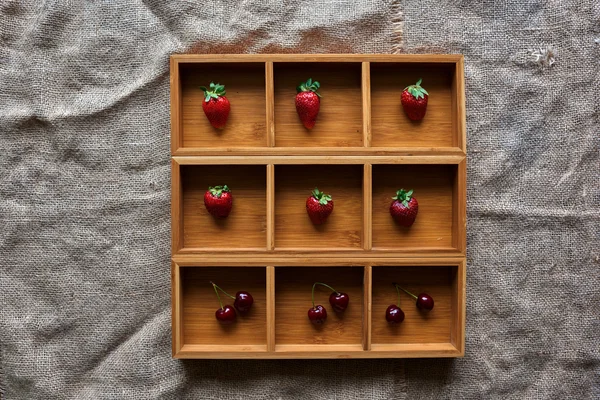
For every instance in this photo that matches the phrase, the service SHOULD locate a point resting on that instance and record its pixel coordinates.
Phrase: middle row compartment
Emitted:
(270, 201)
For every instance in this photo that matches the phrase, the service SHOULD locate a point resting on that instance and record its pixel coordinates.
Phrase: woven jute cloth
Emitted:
(85, 195)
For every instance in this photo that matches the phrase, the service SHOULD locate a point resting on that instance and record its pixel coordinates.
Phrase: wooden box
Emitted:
(362, 149)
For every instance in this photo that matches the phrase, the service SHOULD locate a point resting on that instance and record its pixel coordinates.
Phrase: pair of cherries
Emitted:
(339, 302)
(394, 315)
(242, 303)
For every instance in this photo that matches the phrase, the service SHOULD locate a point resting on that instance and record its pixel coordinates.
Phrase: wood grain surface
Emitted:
(246, 225)
(245, 86)
(433, 188)
(361, 151)
(389, 124)
(294, 184)
(293, 287)
(339, 123)
(434, 326)
(199, 303)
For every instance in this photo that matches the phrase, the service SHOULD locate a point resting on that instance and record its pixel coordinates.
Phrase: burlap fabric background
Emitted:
(84, 196)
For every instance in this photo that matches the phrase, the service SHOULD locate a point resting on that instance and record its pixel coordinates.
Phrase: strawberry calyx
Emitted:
(403, 196)
(416, 90)
(213, 92)
(217, 191)
(309, 86)
(321, 197)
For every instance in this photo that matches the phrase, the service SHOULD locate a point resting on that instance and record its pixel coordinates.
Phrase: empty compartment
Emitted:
(419, 327)
(293, 227)
(295, 332)
(433, 187)
(245, 227)
(246, 92)
(339, 123)
(390, 127)
(200, 329)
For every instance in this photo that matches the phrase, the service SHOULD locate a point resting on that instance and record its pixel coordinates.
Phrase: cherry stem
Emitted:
(397, 291)
(221, 289)
(327, 286)
(322, 284)
(406, 291)
(218, 297)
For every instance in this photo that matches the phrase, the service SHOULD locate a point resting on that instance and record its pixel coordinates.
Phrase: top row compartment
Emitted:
(360, 105)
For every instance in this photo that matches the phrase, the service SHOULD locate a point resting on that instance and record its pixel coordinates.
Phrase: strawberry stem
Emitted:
(309, 86)
(214, 92)
(403, 196)
(322, 197)
(217, 191)
(416, 90)
(405, 291)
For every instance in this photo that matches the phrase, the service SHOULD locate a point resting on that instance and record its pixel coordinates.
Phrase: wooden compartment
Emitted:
(200, 331)
(439, 328)
(294, 184)
(389, 123)
(294, 331)
(339, 123)
(435, 188)
(245, 86)
(244, 228)
(361, 151)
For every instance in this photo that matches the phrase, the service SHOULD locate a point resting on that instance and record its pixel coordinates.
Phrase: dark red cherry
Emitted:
(317, 315)
(339, 301)
(243, 301)
(394, 315)
(424, 302)
(226, 315)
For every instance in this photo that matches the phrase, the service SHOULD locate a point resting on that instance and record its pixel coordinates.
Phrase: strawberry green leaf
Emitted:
(218, 190)
(321, 197)
(403, 196)
(215, 91)
(309, 86)
(416, 90)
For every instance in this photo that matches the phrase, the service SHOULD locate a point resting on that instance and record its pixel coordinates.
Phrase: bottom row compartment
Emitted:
(278, 321)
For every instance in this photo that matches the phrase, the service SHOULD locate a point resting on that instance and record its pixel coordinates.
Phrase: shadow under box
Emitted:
(390, 127)
(293, 286)
(246, 92)
(245, 227)
(199, 303)
(295, 183)
(339, 123)
(435, 326)
(433, 187)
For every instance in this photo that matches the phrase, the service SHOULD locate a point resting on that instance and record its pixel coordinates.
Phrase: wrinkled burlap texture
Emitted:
(85, 180)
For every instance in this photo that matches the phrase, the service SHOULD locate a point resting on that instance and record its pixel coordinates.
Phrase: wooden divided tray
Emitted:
(362, 149)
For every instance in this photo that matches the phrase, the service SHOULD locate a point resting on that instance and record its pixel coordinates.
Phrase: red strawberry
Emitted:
(218, 201)
(308, 102)
(215, 105)
(404, 208)
(319, 206)
(414, 101)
